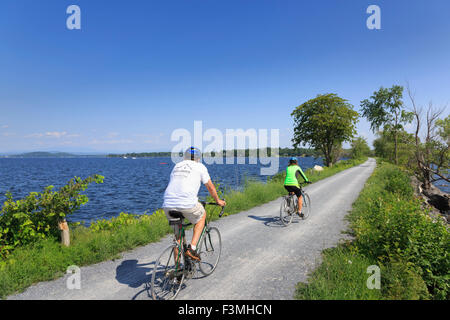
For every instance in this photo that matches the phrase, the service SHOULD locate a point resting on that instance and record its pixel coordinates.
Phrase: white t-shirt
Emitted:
(184, 184)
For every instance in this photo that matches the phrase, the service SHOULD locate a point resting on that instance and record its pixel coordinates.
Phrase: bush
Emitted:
(400, 281)
(36, 216)
(391, 230)
(390, 225)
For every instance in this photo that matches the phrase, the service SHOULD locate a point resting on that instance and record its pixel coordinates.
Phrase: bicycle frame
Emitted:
(181, 239)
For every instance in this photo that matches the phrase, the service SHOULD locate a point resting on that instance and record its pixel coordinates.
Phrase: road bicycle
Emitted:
(289, 207)
(173, 267)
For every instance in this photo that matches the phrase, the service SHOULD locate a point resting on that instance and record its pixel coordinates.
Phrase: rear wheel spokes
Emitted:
(168, 275)
(286, 211)
(209, 249)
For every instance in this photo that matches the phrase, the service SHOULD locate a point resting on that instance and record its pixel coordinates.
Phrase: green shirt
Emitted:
(291, 176)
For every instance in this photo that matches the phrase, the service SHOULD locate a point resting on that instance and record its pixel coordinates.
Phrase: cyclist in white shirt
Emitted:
(181, 194)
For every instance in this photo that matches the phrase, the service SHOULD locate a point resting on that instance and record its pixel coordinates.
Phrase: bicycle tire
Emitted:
(285, 216)
(306, 208)
(164, 285)
(209, 250)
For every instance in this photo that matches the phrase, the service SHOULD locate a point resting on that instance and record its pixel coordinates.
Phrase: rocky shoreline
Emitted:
(434, 198)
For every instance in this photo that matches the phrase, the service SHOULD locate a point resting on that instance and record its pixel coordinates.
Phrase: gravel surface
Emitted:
(260, 259)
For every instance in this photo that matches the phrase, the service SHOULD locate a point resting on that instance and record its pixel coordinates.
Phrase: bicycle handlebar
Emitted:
(214, 204)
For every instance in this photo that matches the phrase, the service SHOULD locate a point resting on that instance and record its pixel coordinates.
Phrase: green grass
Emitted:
(341, 276)
(390, 230)
(47, 259)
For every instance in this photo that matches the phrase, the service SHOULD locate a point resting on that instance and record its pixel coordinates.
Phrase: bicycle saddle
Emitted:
(176, 217)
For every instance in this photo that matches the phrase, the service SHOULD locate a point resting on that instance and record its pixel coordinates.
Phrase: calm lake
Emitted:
(130, 185)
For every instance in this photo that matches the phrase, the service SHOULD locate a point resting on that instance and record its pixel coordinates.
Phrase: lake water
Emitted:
(130, 185)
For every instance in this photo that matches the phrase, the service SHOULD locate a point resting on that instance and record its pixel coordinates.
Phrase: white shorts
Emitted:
(193, 214)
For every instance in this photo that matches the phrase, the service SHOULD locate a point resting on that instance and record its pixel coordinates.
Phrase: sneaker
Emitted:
(300, 214)
(177, 280)
(192, 254)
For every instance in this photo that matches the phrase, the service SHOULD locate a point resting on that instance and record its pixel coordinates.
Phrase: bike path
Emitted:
(261, 259)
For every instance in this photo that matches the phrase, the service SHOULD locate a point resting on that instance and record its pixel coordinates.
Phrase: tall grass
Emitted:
(392, 230)
(106, 239)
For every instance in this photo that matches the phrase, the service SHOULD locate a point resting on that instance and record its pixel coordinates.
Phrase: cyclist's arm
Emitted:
(299, 172)
(213, 192)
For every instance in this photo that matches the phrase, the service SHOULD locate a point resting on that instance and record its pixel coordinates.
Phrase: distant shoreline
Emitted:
(282, 152)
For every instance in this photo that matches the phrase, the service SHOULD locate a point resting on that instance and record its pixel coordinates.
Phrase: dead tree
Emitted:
(431, 155)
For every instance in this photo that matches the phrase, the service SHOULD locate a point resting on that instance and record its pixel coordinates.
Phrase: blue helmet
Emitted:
(192, 153)
(293, 159)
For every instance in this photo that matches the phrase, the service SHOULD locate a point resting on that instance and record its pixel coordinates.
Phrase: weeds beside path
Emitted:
(391, 231)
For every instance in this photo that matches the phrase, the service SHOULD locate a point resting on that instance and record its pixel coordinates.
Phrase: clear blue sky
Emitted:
(139, 69)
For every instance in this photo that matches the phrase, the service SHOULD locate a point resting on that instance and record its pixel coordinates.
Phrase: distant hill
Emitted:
(43, 154)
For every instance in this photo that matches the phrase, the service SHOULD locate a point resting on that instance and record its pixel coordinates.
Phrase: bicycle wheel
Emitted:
(209, 250)
(286, 211)
(167, 276)
(306, 208)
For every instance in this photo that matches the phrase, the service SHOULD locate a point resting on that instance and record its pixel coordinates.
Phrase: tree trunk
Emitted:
(395, 147)
(65, 234)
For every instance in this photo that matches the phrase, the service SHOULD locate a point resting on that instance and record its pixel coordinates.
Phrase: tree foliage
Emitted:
(385, 109)
(360, 148)
(324, 123)
(384, 146)
(37, 215)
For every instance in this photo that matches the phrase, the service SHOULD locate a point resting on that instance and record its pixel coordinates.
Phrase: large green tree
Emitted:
(385, 109)
(324, 123)
(360, 148)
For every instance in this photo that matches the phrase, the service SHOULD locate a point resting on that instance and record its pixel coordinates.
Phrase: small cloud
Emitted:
(120, 141)
(34, 135)
(55, 134)
(5, 126)
(112, 134)
(8, 134)
(51, 134)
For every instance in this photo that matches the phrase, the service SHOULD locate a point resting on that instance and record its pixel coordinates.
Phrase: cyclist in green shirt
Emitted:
(293, 171)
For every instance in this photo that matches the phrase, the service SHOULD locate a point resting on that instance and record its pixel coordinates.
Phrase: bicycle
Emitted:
(174, 267)
(289, 207)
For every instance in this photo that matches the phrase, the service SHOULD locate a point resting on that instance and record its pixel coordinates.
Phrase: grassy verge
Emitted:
(47, 259)
(392, 231)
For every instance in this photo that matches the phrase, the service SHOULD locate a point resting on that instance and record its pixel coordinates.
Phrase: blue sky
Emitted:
(137, 70)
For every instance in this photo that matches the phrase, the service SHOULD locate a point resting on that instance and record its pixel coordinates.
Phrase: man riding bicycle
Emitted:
(181, 195)
(293, 171)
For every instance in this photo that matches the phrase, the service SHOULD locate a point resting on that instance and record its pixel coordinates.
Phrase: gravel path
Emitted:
(261, 259)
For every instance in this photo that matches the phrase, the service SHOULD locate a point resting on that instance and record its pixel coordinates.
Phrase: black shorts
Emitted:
(294, 189)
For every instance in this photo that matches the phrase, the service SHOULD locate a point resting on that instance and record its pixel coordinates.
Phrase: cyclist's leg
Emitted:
(198, 228)
(197, 216)
(300, 203)
(298, 193)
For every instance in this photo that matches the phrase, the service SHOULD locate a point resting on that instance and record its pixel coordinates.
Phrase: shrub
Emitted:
(37, 215)
(391, 230)
(399, 281)
(390, 225)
